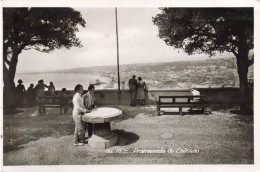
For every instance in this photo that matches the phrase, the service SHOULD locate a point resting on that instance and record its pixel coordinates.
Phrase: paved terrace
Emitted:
(219, 138)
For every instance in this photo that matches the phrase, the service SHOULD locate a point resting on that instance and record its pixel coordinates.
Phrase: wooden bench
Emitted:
(182, 102)
(51, 102)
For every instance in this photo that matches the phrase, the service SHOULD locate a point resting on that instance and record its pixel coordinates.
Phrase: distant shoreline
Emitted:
(71, 70)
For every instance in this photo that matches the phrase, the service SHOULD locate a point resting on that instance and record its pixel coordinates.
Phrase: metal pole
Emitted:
(118, 76)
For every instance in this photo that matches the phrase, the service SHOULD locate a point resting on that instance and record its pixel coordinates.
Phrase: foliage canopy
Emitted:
(43, 29)
(206, 30)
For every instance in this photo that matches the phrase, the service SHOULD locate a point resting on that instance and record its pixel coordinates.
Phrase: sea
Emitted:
(62, 80)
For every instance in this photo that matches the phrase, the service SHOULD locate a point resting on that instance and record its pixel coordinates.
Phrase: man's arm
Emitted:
(76, 103)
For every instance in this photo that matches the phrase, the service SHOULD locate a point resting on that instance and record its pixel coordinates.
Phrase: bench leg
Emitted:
(60, 110)
(180, 109)
(204, 110)
(40, 110)
(158, 111)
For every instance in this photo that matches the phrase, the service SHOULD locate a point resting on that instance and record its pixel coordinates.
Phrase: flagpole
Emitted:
(118, 75)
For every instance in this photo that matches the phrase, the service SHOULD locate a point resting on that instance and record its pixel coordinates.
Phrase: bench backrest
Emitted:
(50, 100)
(182, 99)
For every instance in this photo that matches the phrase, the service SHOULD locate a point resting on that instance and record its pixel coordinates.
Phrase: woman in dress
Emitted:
(141, 87)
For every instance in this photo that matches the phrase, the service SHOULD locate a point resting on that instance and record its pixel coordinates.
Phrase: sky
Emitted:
(137, 36)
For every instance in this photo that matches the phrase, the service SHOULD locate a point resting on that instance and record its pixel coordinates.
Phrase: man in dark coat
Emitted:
(20, 92)
(39, 91)
(133, 88)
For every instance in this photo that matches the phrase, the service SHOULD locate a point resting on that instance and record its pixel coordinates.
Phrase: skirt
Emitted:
(140, 93)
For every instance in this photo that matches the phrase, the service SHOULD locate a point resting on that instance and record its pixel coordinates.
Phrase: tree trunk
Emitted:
(242, 67)
(9, 69)
(243, 92)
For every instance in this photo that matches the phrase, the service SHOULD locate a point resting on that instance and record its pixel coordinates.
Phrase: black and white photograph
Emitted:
(123, 85)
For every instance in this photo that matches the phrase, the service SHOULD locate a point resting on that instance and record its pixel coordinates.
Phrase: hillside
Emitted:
(215, 72)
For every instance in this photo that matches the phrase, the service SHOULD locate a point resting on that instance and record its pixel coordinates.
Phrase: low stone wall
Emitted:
(214, 95)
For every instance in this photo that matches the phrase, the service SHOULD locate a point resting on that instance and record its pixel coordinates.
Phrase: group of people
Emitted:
(137, 90)
(32, 93)
(82, 103)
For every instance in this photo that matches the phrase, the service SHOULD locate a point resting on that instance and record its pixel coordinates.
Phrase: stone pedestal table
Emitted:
(102, 137)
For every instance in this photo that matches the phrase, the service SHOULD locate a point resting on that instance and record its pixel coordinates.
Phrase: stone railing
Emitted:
(214, 95)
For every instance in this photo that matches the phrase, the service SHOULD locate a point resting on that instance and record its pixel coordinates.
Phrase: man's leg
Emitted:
(131, 96)
(134, 97)
(90, 129)
(79, 130)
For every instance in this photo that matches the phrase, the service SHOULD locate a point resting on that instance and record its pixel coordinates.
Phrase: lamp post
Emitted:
(118, 75)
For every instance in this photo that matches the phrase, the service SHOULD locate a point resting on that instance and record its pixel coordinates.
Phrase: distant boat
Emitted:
(97, 82)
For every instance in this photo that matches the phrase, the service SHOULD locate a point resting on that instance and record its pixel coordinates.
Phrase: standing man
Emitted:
(90, 103)
(39, 91)
(64, 99)
(133, 88)
(39, 88)
(78, 110)
(20, 92)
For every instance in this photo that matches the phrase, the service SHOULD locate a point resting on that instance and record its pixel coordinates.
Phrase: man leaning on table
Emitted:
(90, 103)
(78, 110)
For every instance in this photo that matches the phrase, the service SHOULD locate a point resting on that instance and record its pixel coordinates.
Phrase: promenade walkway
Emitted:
(144, 138)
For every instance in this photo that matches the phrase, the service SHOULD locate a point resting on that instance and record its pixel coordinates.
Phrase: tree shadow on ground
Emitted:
(238, 112)
(14, 112)
(125, 138)
(22, 129)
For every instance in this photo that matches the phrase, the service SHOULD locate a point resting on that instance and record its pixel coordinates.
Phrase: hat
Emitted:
(20, 81)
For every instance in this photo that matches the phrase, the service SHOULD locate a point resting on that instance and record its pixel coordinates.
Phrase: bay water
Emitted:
(61, 80)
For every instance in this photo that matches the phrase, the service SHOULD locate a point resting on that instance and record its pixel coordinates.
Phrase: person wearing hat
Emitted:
(39, 90)
(20, 91)
(30, 95)
(51, 89)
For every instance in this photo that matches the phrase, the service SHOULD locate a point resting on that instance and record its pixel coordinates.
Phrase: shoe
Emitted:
(85, 141)
(78, 144)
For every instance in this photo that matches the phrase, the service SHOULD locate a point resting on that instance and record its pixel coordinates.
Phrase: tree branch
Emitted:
(235, 53)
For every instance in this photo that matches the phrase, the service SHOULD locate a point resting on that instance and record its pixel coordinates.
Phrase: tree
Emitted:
(42, 29)
(211, 30)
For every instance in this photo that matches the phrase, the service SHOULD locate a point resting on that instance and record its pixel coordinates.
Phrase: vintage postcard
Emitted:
(97, 85)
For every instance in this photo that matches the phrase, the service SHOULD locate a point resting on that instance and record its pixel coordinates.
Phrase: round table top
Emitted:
(101, 115)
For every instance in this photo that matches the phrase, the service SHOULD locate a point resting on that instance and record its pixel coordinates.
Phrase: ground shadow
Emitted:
(193, 112)
(125, 138)
(14, 112)
(238, 112)
(22, 129)
(55, 131)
